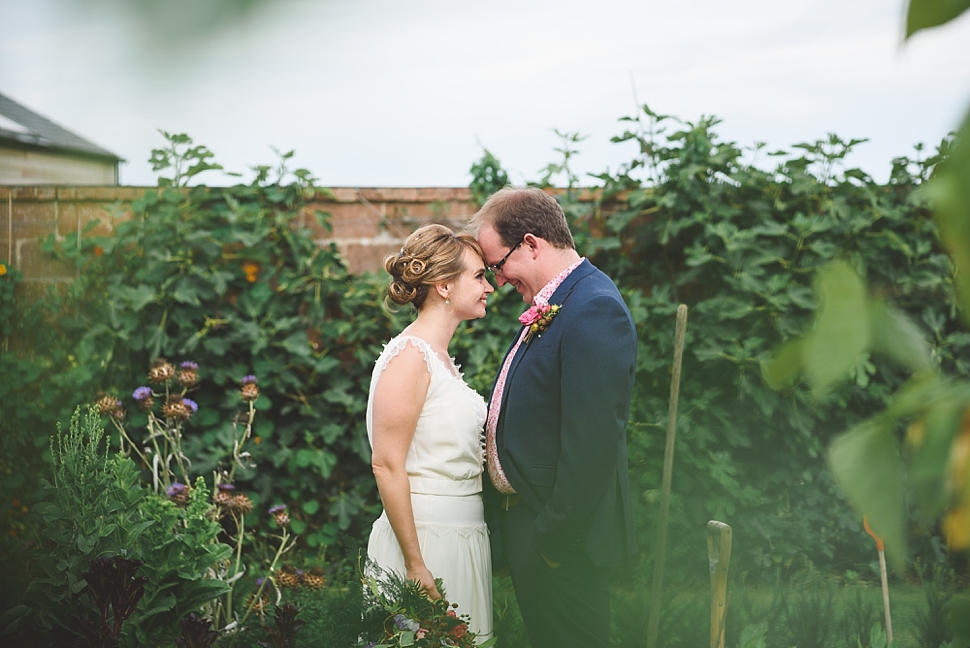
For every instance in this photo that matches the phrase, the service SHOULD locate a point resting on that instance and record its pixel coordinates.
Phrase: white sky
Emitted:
(405, 92)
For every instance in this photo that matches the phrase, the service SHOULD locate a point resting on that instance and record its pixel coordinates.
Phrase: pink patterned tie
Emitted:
(495, 471)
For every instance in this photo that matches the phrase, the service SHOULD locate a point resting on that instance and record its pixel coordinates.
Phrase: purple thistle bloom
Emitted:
(175, 489)
(404, 623)
(260, 581)
(188, 364)
(226, 488)
(142, 393)
(192, 404)
(249, 380)
(279, 508)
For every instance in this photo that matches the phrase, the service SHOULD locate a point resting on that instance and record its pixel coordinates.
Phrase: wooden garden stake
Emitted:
(719, 556)
(658, 563)
(885, 580)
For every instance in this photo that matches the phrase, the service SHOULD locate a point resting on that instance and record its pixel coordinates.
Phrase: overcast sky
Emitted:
(406, 92)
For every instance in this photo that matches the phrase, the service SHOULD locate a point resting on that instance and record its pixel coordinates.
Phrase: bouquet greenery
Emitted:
(401, 615)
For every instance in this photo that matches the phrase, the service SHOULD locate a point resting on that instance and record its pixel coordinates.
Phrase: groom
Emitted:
(558, 501)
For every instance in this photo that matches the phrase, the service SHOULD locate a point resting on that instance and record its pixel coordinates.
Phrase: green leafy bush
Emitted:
(97, 508)
(232, 279)
(690, 219)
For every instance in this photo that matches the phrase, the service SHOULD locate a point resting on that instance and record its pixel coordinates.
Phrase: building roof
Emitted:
(36, 130)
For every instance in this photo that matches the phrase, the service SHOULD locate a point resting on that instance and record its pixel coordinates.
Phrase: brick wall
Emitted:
(367, 223)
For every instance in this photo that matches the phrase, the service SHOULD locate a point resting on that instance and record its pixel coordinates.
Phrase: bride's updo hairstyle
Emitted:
(432, 255)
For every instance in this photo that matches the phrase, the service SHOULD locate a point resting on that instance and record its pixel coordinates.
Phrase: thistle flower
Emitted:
(288, 577)
(192, 404)
(188, 375)
(223, 495)
(250, 390)
(240, 504)
(161, 372)
(105, 403)
(178, 408)
(178, 493)
(279, 512)
(262, 603)
(110, 406)
(314, 579)
(404, 623)
(143, 396)
(118, 411)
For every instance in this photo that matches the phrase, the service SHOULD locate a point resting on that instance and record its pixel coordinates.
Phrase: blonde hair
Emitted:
(432, 255)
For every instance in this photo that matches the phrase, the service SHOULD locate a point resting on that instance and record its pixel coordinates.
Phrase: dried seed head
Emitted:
(110, 406)
(188, 375)
(250, 389)
(288, 577)
(117, 412)
(178, 408)
(105, 403)
(314, 579)
(223, 495)
(240, 504)
(161, 372)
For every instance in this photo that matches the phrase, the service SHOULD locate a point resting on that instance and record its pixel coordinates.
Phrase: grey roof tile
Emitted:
(43, 132)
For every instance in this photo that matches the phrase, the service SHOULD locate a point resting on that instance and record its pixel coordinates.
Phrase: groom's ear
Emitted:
(532, 242)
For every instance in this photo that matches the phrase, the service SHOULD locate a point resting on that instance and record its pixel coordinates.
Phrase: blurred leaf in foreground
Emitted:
(923, 14)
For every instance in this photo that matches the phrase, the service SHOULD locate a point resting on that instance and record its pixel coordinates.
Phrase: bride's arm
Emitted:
(398, 399)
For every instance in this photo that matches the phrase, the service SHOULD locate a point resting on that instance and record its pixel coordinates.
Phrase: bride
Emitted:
(425, 424)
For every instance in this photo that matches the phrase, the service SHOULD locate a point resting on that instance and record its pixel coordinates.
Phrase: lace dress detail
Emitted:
(445, 466)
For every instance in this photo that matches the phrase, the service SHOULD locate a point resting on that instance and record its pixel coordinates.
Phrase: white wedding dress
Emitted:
(444, 466)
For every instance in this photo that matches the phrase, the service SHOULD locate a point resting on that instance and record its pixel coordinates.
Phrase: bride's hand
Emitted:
(423, 577)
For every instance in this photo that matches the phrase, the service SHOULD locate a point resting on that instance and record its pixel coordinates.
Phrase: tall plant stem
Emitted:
(124, 434)
(272, 567)
(177, 445)
(659, 557)
(240, 534)
(238, 443)
(158, 455)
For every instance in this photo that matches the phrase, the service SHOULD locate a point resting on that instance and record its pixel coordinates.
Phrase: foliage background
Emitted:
(229, 278)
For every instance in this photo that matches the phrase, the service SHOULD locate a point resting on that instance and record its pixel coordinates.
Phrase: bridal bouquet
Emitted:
(410, 618)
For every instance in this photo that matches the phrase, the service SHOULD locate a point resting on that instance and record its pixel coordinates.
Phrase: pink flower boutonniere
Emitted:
(538, 318)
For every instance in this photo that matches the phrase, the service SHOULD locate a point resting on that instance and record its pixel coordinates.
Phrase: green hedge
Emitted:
(227, 278)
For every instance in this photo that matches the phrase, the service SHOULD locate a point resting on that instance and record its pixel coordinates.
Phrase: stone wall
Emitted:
(367, 223)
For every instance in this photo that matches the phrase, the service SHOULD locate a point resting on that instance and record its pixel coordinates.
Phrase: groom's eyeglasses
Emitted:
(498, 266)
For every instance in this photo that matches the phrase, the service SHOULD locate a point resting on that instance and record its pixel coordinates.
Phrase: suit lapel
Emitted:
(559, 297)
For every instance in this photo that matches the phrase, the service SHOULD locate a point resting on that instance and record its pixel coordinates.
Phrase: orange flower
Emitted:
(3, 269)
(256, 440)
(251, 268)
(956, 528)
(98, 250)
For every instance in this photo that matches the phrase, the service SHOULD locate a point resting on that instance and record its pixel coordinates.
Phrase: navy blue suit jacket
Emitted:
(561, 434)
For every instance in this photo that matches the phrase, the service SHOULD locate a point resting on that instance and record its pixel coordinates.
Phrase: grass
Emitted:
(812, 611)
(807, 615)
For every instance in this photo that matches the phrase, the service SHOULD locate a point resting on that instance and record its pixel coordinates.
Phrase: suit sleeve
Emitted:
(598, 360)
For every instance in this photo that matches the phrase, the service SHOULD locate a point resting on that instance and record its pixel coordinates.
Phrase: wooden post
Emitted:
(719, 556)
(880, 547)
(658, 562)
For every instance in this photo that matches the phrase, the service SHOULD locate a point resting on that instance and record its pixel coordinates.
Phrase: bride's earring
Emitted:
(447, 302)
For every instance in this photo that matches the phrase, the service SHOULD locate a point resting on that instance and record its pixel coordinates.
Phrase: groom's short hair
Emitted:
(514, 212)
